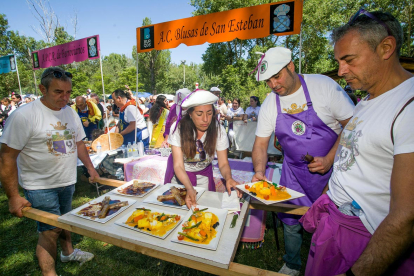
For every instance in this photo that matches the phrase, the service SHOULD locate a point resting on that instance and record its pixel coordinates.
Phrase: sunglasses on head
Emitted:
(58, 74)
(370, 15)
(200, 149)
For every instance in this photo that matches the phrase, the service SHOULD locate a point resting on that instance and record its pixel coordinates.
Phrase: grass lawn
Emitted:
(18, 238)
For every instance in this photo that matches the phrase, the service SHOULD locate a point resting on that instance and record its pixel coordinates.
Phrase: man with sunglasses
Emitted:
(39, 150)
(373, 170)
(306, 113)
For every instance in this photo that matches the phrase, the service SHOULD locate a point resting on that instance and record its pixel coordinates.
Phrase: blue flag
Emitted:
(7, 64)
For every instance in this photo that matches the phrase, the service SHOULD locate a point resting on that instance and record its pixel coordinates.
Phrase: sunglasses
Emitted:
(370, 15)
(58, 74)
(200, 150)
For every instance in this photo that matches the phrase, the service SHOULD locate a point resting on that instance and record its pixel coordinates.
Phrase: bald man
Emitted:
(89, 114)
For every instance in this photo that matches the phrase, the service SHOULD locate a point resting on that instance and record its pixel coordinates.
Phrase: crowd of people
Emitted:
(358, 183)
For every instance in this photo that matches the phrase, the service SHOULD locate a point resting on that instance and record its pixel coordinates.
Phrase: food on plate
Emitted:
(102, 209)
(137, 188)
(155, 223)
(162, 198)
(177, 196)
(200, 227)
(268, 191)
(174, 196)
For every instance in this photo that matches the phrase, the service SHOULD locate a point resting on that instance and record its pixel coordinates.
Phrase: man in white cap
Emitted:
(306, 113)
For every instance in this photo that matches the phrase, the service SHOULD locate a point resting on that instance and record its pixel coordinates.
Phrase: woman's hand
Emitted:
(190, 198)
(231, 183)
(165, 144)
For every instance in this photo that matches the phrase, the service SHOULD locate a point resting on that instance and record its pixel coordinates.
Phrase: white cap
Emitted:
(199, 97)
(215, 89)
(88, 90)
(274, 60)
(180, 94)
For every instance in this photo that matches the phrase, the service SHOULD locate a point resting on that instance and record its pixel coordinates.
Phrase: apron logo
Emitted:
(263, 67)
(298, 128)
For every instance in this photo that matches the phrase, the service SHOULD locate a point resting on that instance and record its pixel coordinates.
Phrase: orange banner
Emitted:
(281, 18)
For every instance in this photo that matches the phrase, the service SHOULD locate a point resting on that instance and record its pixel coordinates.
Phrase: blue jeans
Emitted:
(293, 235)
(57, 201)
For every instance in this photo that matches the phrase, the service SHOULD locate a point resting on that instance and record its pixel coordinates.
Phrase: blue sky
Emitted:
(114, 21)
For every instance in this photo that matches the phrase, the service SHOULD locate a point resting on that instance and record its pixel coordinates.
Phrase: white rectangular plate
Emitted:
(122, 221)
(293, 193)
(163, 188)
(99, 199)
(220, 213)
(132, 182)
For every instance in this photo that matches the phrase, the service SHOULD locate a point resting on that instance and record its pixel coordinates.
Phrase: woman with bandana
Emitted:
(195, 138)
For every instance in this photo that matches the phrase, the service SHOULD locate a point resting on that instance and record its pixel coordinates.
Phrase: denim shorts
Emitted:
(57, 201)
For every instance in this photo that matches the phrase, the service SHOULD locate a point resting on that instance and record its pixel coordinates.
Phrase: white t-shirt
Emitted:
(223, 110)
(47, 140)
(236, 113)
(192, 165)
(365, 155)
(329, 101)
(252, 111)
(132, 114)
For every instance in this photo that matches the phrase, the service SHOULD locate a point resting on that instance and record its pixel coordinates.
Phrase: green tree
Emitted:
(152, 66)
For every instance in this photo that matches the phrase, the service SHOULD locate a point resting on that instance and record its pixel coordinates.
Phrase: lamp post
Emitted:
(183, 63)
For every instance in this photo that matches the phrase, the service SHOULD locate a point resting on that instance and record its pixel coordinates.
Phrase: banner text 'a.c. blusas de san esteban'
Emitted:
(281, 18)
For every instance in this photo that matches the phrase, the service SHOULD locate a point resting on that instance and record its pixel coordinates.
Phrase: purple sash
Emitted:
(208, 172)
(338, 241)
(172, 117)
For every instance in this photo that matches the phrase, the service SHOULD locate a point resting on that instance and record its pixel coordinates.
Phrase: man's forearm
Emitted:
(84, 156)
(391, 240)
(332, 152)
(128, 129)
(259, 158)
(8, 176)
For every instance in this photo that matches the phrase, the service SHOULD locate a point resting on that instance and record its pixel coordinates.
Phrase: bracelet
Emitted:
(349, 272)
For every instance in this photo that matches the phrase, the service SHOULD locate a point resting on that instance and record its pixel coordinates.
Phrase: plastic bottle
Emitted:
(351, 209)
(129, 150)
(356, 209)
(124, 151)
(98, 148)
(134, 149)
(140, 149)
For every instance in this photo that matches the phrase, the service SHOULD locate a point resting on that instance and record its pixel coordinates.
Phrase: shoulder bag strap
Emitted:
(402, 109)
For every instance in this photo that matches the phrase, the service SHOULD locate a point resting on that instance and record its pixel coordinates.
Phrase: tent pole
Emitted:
(300, 50)
(34, 74)
(18, 77)
(136, 99)
(103, 92)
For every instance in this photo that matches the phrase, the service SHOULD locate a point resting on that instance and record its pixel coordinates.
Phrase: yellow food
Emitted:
(155, 223)
(205, 231)
(274, 194)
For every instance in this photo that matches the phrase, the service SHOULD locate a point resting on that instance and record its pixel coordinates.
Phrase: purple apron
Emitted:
(299, 134)
(338, 241)
(208, 172)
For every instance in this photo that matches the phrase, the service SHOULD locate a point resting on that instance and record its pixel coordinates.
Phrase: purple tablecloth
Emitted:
(152, 168)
